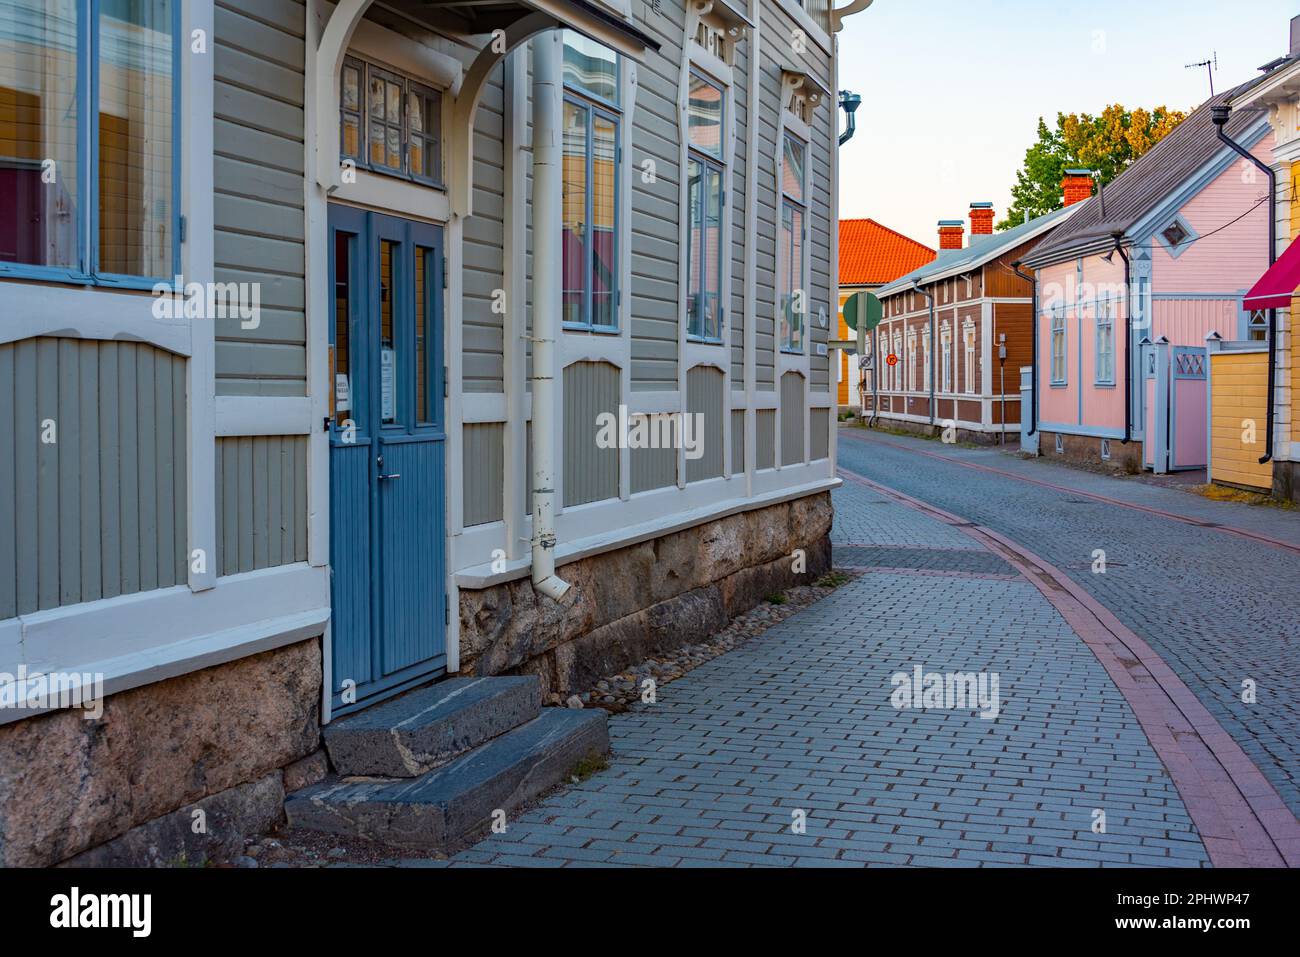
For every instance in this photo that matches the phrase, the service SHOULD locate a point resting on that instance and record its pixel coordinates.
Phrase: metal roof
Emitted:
(1150, 179)
(952, 262)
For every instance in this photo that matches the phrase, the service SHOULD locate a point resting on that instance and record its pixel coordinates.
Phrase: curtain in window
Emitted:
(40, 197)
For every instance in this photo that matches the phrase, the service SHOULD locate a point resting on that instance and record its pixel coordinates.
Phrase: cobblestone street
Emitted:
(1219, 608)
(798, 725)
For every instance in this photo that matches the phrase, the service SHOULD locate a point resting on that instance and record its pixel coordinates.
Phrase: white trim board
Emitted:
(482, 576)
(138, 639)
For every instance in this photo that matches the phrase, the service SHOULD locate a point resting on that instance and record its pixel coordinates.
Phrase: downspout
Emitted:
(1118, 236)
(1033, 366)
(849, 103)
(934, 355)
(547, 186)
(1219, 115)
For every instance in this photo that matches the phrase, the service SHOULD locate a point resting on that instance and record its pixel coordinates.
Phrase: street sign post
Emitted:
(862, 313)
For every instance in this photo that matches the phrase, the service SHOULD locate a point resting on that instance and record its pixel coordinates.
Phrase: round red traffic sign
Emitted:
(892, 359)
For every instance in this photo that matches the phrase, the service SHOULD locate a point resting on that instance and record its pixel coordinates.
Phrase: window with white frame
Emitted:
(89, 140)
(1105, 359)
(946, 358)
(589, 238)
(968, 332)
(389, 123)
(897, 378)
(911, 360)
(705, 199)
(790, 243)
(1058, 346)
(925, 362)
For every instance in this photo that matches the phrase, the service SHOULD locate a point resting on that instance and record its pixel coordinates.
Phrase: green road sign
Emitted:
(863, 306)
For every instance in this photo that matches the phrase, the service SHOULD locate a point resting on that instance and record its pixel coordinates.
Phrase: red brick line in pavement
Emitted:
(1150, 510)
(1240, 817)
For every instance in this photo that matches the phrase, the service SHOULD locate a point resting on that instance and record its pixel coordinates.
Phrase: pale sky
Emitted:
(952, 89)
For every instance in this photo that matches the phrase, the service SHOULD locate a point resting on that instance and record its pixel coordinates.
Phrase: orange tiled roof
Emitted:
(872, 254)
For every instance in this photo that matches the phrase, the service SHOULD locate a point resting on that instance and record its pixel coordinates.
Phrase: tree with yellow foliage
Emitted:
(1106, 144)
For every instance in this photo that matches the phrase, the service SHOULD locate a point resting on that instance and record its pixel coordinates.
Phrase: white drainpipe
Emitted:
(547, 265)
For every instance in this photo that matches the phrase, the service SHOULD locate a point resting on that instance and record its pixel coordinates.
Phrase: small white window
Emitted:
(1105, 449)
(969, 332)
(1058, 346)
(946, 360)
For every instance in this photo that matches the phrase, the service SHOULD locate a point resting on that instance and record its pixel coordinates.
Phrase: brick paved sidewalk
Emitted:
(800, 721)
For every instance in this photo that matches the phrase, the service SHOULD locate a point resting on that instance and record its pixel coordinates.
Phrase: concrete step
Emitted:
(426, 728)
(452, 806)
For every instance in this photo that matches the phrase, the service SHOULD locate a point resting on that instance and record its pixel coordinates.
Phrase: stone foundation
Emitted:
(1085, 450)
(634, 602)
(123, 789)
(961, 434)
(1286, 480)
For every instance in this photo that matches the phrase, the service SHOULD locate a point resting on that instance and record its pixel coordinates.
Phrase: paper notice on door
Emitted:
(342, 392)
(388, 383)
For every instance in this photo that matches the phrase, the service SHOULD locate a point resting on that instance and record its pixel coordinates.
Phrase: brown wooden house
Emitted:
(964, 373)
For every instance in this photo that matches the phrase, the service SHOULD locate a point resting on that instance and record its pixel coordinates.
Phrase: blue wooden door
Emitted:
(387, 454)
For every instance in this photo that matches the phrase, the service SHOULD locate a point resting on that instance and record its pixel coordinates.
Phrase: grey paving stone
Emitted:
(802, 718)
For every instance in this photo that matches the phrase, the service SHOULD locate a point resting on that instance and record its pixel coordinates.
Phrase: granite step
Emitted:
(451, 806)
(426, 728)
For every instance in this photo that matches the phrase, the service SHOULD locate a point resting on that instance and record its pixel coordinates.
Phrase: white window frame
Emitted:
(898, 371)
(970, 369)
(794, 284)
(1104, 354)
(945, 337)
(925, 362)
(910, 375)
(410, 85)
(599, 107)
(87, 270)
(719, 164)
(1059, 347)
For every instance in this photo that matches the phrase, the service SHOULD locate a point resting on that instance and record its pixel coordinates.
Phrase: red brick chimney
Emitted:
(1077, 185)
(981, 219)
(951, 233)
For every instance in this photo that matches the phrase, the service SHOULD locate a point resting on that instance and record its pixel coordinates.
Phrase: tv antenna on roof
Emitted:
(1210, 65)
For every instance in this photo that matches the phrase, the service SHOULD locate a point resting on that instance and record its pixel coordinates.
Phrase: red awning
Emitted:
(1275, 287)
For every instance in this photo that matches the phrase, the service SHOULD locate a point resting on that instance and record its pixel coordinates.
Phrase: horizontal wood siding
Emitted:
(92, 475)
(774, 47)
(590, 472)
(656, 252)
(736, 198)
(484, 472)
(483, 255)
(261, 502)
(258, 173)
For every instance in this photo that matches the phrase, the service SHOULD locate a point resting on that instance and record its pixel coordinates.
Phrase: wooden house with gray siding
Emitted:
(310, 329)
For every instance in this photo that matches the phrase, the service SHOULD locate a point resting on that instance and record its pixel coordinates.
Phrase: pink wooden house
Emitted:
(1132, 285)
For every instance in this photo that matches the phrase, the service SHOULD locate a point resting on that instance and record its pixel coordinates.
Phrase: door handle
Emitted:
(379, 461)
(395, 475)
